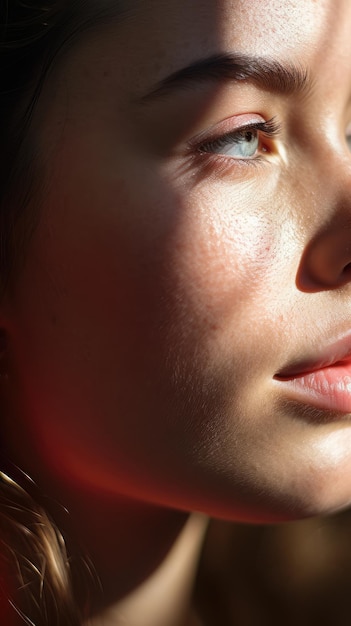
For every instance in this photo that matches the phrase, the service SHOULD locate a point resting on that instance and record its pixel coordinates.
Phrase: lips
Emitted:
(323, 381)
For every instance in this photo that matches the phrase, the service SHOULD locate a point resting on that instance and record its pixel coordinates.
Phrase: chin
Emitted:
(318, 492)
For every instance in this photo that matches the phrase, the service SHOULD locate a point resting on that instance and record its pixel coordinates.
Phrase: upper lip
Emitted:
(335, 353)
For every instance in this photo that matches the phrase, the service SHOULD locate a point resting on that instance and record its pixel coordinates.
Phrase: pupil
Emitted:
(248, 136)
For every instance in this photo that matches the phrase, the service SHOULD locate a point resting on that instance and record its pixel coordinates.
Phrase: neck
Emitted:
(163, 599)
(145, 557)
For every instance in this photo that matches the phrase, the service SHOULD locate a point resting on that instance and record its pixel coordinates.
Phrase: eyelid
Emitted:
(227, 126)
(265, 130)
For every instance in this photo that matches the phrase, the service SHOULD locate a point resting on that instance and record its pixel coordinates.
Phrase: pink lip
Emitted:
(323, 381)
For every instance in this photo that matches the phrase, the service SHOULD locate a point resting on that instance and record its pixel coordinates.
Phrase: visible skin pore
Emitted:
(164, 288)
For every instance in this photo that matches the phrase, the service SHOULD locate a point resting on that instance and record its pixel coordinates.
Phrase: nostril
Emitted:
(347, 269)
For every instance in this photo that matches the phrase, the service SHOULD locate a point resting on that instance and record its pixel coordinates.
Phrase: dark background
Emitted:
(288, 574)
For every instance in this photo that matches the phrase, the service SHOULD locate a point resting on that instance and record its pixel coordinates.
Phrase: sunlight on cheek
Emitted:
(222, 259)
(238, 248)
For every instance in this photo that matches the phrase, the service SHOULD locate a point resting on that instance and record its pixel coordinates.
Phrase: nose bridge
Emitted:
(326, 260)
(333, 156)
(338, 174)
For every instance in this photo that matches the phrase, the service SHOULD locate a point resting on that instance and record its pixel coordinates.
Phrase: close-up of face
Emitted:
(179, 331)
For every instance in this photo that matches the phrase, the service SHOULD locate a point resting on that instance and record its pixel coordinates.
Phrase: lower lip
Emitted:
(328, 388)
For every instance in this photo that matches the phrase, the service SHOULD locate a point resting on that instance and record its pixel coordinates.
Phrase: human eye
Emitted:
(348, 137)
(246, 143)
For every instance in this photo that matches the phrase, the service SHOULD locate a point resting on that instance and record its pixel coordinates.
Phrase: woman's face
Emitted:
(180, 331)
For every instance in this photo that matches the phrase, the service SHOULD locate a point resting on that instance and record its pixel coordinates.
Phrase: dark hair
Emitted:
(32, 35)
(35, 571)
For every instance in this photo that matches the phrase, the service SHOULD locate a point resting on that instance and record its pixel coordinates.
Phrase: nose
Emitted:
(326, 261)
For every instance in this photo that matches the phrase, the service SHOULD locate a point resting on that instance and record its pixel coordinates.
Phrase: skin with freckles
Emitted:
(173, 273)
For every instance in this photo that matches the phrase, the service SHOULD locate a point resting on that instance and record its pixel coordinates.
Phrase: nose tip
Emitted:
(326, 262)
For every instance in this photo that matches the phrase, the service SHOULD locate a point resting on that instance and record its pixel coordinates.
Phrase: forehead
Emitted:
(156, 39)
(122, 61)
(258, 23)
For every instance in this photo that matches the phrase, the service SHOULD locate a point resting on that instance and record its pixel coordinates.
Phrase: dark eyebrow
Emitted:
(266, 73)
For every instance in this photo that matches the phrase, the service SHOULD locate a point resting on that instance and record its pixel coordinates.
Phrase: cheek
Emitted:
(83, 313)
(223, 255)
(116, 294)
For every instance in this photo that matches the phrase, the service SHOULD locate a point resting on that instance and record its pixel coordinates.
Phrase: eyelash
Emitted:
(267, 130)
